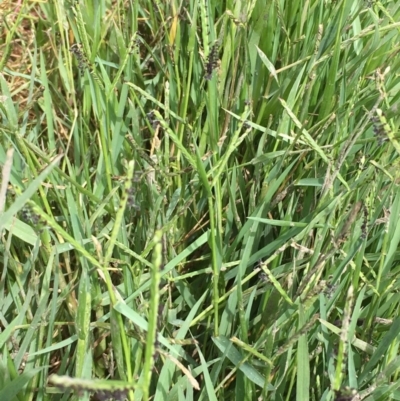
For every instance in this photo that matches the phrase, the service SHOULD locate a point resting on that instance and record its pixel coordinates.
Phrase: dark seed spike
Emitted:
(77, 50)
(212, 61)
(364, 230)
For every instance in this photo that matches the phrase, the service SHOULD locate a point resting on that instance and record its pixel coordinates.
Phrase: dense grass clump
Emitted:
(199, 200)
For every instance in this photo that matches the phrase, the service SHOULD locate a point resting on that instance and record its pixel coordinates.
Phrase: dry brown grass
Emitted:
(17, 33)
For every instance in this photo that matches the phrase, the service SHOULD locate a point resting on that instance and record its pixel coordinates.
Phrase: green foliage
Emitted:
(199, 200)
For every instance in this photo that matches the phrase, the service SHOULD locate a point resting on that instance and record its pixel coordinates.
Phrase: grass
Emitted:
(199, 200)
